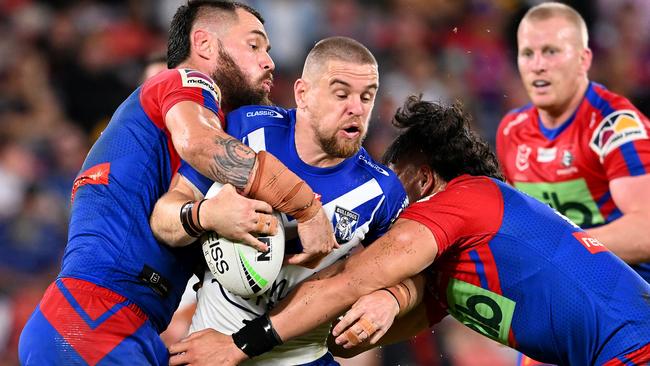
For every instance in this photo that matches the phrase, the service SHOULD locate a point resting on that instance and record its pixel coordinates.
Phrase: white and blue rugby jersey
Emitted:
(360, 196)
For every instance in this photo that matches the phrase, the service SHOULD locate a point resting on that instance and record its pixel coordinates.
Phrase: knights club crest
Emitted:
(346, 223)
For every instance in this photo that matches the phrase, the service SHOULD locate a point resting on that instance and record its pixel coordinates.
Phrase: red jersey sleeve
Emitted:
(469, 208)
(160, 93)
(620, 139)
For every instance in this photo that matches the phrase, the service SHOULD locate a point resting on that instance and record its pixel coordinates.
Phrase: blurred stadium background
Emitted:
(66, 65)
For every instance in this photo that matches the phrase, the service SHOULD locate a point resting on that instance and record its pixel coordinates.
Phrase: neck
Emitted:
(308, 147)
(554, 117)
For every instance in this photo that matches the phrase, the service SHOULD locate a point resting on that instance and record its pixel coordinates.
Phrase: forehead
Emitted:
(247, 23)
(364, 75)
(554, 30)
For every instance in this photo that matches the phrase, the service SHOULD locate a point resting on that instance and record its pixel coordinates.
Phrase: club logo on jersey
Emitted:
(196, 79)
(523, 153)
(546, 155)
(593, 245)
(567, 158)
(264, 113)
(346, 223)
(615, 130)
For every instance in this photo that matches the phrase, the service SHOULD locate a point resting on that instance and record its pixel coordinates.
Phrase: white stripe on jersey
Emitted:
(257, 140)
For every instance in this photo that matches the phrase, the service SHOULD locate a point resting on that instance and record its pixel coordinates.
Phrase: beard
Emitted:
(235, 88)
(340, 148)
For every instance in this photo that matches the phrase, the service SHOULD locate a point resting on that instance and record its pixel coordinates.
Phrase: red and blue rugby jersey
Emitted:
(514, 270)
(570, 167)
(127, 170)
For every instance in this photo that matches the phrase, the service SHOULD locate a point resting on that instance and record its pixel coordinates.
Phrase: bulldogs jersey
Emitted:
(127, 170)
(516, 271)
(570, 167)
(360, 196)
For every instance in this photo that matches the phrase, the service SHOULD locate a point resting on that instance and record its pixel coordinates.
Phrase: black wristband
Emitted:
(257, 337)
(188, 222)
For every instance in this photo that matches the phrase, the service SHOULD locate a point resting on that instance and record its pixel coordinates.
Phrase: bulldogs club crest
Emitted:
(346, 223)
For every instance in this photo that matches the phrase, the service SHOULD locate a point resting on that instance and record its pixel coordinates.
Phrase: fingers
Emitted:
(266, 224)
(252, 241)
(261, 206)
(350, 317)
(362, 330)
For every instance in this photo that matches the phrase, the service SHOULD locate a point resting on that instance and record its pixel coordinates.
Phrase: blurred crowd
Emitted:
(66, 65)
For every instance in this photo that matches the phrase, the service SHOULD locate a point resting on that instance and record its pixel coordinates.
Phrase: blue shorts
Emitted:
(80, 323)
(326, 360)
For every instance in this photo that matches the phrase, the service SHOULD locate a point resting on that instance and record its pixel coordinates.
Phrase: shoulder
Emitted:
(184, 78)
(515, 118)
(386, 178)
(615, 121)
(253, 117)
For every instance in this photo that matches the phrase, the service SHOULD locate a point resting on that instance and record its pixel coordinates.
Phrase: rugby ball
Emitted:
(239, 268)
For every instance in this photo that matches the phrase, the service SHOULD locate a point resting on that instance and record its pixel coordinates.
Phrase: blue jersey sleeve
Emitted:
(201, 182)
(395, 201)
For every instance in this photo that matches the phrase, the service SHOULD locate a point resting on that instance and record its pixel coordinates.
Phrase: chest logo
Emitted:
(523, 154)
(346, 223)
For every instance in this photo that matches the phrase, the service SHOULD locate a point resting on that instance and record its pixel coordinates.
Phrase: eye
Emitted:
(367, 98)
(254, 46)
(341, 96)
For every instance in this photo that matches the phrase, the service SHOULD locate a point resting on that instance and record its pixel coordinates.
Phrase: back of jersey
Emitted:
(571, 296)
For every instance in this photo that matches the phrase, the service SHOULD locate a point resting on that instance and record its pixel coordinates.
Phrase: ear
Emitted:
(426, 180)
(202, 44)
(585, 59)
(300, 93)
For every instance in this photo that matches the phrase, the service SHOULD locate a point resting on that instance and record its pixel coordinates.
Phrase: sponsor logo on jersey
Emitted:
(519, 119)
(97, 174)
(571, 198)
(373, 165)
(346, 223)
(546, 155)
(567, 158)
(616, 129)
(264, 113)
(481, 310)
(523, 154)
(196, 79)
(591, 244)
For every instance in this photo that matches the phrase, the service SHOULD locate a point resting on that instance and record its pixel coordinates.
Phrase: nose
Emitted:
(355, 106)
(267, 62)
(538, 63)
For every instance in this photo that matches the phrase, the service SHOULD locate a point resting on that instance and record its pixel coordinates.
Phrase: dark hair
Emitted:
(440, 135)
(178, 45)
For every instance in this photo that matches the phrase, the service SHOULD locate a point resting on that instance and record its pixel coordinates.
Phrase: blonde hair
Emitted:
(554, 9)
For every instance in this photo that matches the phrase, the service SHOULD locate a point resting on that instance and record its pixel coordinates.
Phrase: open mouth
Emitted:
(541, 83)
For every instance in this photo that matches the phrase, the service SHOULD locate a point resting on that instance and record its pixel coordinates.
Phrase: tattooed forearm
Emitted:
(232, 163)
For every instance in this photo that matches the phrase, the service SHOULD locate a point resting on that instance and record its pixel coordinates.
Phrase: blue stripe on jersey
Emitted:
(480, 269)
(201, 182)
(82, 313)
(614, 215)
(553, 133)
(632, 160)
(209, 102)
(598, 102)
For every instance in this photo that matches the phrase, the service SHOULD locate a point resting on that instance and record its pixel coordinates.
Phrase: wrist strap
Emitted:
(190, 218)
(257, 337)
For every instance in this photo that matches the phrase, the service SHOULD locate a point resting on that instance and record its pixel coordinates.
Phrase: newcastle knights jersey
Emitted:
(127, 170)
(360, 196)
(570, 167)
(514, 270)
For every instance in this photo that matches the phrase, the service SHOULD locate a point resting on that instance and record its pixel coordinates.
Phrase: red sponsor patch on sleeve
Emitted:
(592, 244)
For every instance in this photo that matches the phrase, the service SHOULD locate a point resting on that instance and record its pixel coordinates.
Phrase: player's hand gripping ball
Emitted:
(239, 268)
